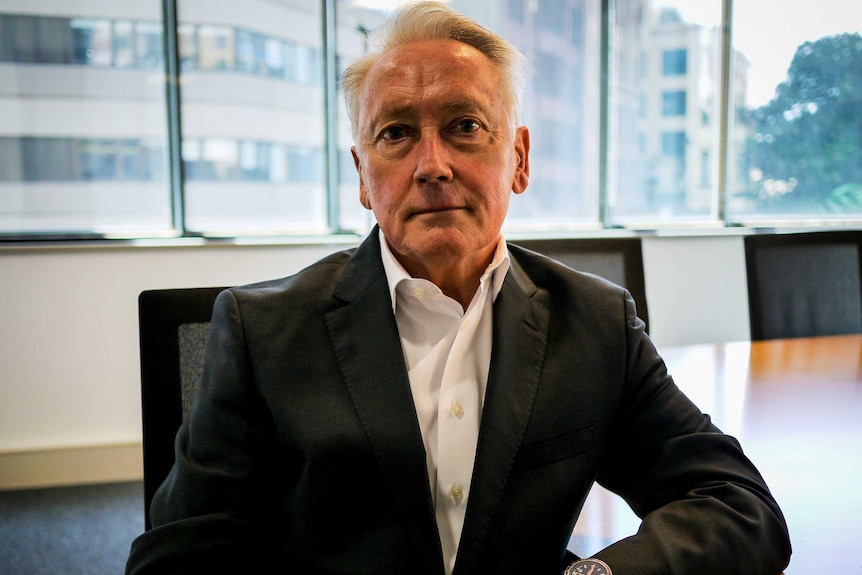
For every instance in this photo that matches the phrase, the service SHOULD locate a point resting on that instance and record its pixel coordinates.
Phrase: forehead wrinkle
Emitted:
(409, 108)
(430, 89)
(400, 85)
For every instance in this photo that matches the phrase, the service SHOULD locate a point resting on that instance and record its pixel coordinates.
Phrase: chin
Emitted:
(447, 243)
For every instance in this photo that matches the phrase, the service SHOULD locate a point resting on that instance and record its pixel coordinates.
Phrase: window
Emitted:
(253, 119)
(250, 52)
(516, 10)
(552, 16)
(797, 105)
(560, 106)
(92, 41)
(123, 44)
(673, 144)
(673, 103)
(669, 60)
(187, 38)
(148, 45)
(82, 123)
(629, 138)
(215, 49)
(674, 62)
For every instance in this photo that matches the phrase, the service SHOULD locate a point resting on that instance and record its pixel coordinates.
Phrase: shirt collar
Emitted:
(395, 272)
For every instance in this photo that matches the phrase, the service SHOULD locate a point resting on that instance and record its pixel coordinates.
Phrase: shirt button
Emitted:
(458, 410)
(457, 493)
(419, 292)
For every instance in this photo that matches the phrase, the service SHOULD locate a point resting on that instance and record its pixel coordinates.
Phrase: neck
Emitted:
(456, 277)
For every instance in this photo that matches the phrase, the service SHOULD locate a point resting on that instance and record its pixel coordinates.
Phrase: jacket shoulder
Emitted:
(312, 283)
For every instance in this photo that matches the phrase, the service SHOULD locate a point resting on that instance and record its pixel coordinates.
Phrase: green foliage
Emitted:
(845, 199)
(809, 136)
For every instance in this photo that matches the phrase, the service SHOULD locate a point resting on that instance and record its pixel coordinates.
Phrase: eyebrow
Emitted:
(409, 111)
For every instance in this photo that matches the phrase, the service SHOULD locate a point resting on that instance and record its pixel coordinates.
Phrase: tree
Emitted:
(806, 148)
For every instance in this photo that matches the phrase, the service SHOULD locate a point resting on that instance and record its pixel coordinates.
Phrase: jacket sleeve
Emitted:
(704, 506)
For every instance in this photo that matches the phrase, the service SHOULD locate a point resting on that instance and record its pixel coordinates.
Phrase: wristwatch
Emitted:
(588, 567)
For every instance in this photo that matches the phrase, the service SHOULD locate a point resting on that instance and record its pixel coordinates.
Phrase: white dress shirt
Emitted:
(447, 351)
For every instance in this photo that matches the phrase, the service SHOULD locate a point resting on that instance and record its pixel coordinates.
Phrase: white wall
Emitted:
(696, 289)
(69, 371)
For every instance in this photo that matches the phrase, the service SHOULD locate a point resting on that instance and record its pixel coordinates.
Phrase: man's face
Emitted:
(436, 152)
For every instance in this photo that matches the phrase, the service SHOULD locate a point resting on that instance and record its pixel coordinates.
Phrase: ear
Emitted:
(363, 191)
(521, 179)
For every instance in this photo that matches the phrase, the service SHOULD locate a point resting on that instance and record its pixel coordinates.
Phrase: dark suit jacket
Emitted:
(303, 453)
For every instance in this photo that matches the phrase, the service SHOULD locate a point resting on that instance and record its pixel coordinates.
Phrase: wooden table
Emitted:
(796, 407)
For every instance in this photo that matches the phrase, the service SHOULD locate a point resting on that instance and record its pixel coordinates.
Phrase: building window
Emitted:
(673, 103)
(92, 42)
(674, 62)
(215, 48)
(673, 144)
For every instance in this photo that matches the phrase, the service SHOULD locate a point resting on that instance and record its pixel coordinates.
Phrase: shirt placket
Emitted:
(458, 431)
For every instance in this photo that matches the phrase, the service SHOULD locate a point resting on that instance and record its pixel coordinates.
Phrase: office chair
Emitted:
(804, 284)
(619, 260)
(173, 325)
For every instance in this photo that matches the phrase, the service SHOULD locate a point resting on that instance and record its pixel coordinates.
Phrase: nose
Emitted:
(433, 160)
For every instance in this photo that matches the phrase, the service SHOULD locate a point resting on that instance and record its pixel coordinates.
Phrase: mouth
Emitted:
(433, 210)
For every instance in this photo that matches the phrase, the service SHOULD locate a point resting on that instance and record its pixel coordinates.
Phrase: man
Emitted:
(438, 401)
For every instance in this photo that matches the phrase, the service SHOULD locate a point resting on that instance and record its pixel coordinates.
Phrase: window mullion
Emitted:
(174, 131)
(725, 115)
(330, 81)
(606, 82)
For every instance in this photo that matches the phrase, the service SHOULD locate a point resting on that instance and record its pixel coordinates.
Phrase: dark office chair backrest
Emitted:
(173, 325)
(619, 260)
(804, 284)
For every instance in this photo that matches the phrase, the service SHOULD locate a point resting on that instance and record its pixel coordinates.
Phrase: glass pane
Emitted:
(354, 20)
(252, 117)
(561, 104)
(92, 38)
(123, 45)
(82, 121)
(664, 131)
(796, 149)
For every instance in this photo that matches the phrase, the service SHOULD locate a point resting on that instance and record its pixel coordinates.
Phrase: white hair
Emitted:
(421, 21)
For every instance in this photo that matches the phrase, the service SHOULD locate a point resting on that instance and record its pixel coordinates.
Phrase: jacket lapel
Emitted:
(519, 342)
(369, 354)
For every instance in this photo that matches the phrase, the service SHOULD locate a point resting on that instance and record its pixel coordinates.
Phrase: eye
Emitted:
(394, 133)
(467, 126)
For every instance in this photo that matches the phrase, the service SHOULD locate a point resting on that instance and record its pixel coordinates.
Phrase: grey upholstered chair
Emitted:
(619, 260)
(173, 325)
(804, 284)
